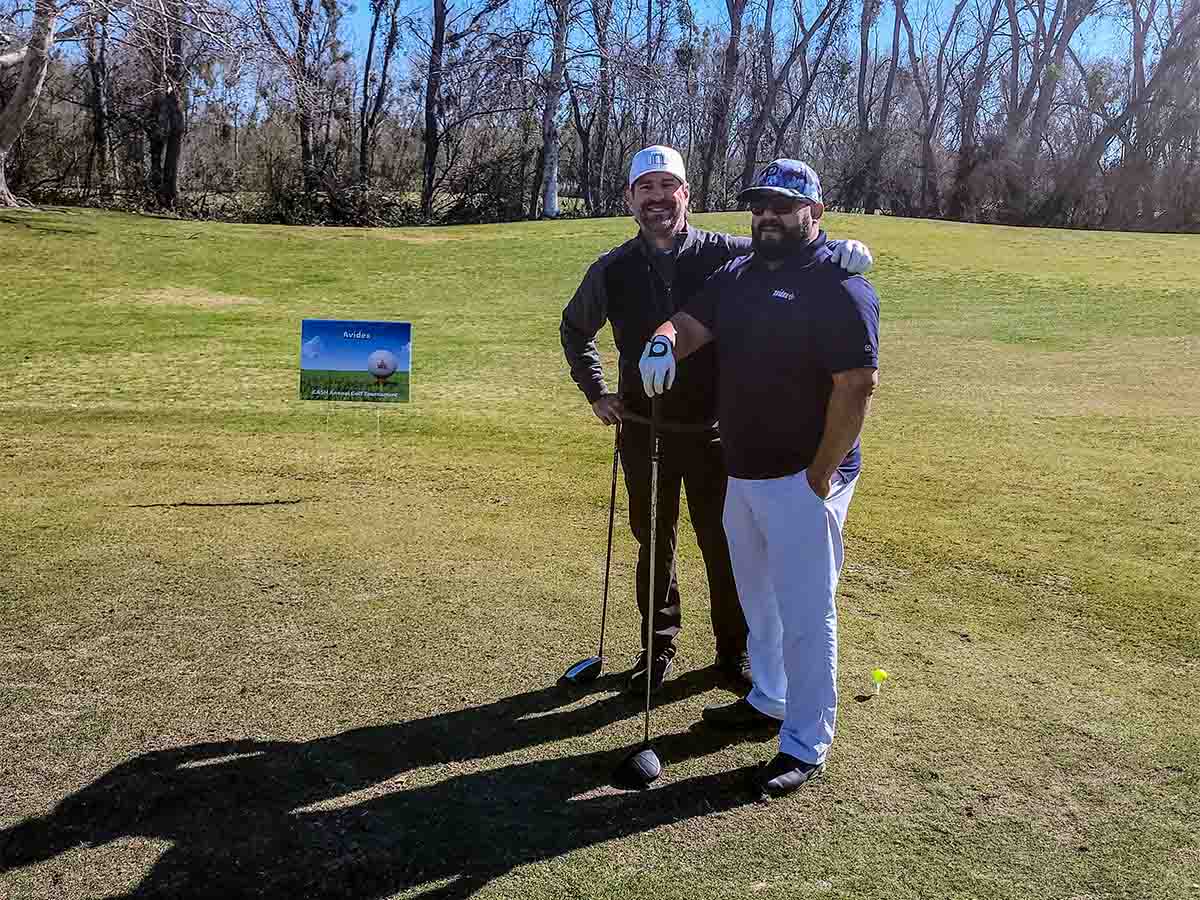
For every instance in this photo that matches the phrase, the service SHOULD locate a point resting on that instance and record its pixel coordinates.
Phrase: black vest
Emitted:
(639, 301)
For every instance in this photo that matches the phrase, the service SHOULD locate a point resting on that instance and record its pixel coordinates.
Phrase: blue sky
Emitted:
(1098, 37)
(324, 343)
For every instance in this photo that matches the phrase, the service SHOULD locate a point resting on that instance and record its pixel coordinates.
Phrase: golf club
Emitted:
(642, 766)
(588, 670)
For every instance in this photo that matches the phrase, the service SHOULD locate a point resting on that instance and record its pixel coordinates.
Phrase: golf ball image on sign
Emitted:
(357, 361)
(382, 364)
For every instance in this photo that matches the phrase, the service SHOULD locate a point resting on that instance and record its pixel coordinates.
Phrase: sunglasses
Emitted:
(779, 207)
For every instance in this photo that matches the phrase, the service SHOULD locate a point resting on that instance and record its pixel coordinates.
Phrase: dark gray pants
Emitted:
(691, 462)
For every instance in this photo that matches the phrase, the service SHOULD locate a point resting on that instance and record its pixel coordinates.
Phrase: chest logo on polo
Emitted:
(781, 294)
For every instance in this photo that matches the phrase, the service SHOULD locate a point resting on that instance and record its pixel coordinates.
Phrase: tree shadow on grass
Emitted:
(43, 228)
(279, 819)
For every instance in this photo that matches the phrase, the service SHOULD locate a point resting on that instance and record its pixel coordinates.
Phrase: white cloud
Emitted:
(311, 349)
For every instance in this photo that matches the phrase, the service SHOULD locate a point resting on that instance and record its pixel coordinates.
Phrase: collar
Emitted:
(684, 239)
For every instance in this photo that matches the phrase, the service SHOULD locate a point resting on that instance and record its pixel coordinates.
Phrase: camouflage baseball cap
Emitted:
(785, 178)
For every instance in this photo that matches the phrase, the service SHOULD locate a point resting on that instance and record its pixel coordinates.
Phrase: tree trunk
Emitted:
(304, 125)
(372, 110)
(858, 183)
(154, 137)
(364, 129)
(758, 122)
(1041, 112)
(649, 69)
(583, 130)
(877, 142)
(932, 93)
(97, 64)
(433, 93)
(603, 118)
(6, 196)
(20, 105)
(308, 96)
(173, 107)
(167, 125)
(168, 193)
(539, 172)
(585, 173)
(866, 24)
(554, 87)
(602, 17)
(717, 147)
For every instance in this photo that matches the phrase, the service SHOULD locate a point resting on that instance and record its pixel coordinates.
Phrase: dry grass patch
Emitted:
(189, 297)
(1139, 377)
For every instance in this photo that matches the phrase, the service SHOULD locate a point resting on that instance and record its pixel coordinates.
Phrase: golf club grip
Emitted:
(668, 427)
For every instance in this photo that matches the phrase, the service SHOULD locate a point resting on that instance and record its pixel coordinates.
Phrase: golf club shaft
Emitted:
(654, 421)
(612, 508)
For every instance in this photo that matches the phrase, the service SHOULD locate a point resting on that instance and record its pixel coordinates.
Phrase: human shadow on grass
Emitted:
(281, 819)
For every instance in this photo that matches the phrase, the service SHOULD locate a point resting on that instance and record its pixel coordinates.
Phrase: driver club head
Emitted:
(639, 769)
(583, 672)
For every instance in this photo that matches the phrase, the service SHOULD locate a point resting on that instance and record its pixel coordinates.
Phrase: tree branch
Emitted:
(15, 58)
(491, 7)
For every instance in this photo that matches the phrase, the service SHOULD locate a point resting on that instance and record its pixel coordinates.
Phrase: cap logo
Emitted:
(657, 159)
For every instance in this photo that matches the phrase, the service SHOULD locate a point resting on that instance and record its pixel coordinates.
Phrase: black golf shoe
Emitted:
(737, 667)
(784, 774)
(663, 660)
(738, 716)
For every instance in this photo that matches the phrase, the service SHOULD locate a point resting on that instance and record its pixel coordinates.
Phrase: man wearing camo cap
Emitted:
(797, 353)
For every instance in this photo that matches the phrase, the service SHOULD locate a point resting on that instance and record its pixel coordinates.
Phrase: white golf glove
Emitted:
(853, 256)
(657, 366)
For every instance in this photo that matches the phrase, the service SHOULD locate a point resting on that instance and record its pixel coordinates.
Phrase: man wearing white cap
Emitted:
(797, 341)
(635, 287)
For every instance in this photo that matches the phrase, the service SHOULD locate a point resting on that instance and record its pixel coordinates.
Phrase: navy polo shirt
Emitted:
(780, 337)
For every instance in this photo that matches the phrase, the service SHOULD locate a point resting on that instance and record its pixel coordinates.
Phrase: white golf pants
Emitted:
(786, 546)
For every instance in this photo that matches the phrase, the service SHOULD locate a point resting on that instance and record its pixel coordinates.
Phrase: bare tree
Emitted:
(717, 148)
(932, 81)
(963, 203)
(802, 34)
(450, 27)
(100, 153)
(384, 14)
(1178, 48)
(799, 89)
(558, 13)
(302, 40)
(861, 187)
(32, 60)
(1040, 34)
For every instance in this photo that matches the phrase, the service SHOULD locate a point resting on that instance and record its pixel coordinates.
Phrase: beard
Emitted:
(777, 241)
(661, 218)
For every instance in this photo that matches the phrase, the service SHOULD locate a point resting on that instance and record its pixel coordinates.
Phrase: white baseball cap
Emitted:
(658, 158)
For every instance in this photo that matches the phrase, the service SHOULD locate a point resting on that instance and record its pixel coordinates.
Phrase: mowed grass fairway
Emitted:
(249, 647)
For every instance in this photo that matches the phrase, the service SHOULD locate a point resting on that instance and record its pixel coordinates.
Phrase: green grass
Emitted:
(253, 645)
(354, 387)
